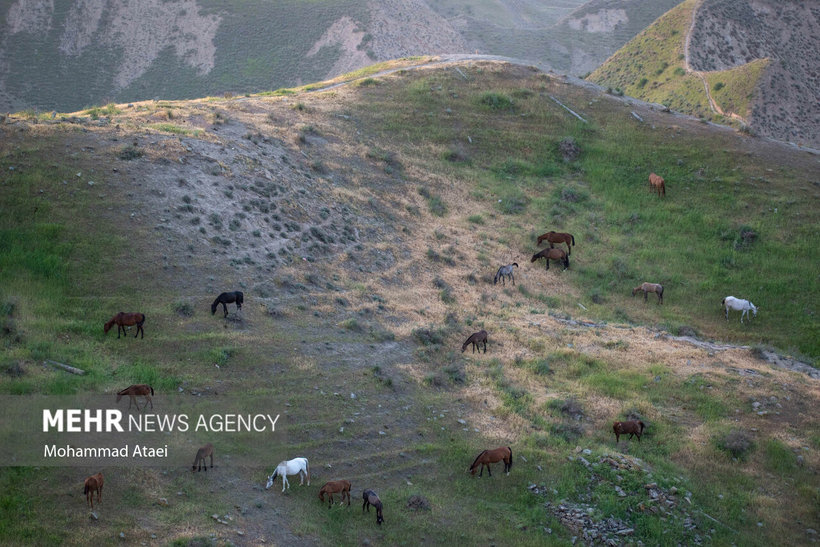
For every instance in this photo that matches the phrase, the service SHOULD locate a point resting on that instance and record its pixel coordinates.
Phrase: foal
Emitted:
(137, 390)
(505, 271)
(648, 288)
(502, 453)
(334, 487)
(201, 454)
(371, 498)
(94, 483)
(554, 254)
(632, 427)
(123, 320)
(475, 339)
(226, 298)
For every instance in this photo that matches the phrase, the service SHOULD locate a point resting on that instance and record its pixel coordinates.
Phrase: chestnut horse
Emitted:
(554, 254)
(371, 498)
(335, 487)
(201, 454)
(648, 288)
(94, 483)
(656, 182)
(475, 339)
(226, 298)
(124, 320)
(137, 390)
(557, 237)
(492, 456)
(632, 427)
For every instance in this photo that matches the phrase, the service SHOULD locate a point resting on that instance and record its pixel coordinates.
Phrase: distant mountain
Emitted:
(70, 55)
(751, 61)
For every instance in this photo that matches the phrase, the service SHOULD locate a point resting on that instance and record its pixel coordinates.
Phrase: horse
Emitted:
(648, 288)
(137, 390)
(201, 454)
(557, 237)
(656, 182)
(124, 320)
(505, 271)
(94, 483)
(554, 254)
(502, 453)
(633, 427)
(738, 304)
(371, 498)
(475, 339)
(228, 298)
(290, 467)
(335, 487)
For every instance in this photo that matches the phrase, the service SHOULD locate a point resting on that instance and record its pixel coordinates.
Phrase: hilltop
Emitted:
(365, 218)
(747, 63)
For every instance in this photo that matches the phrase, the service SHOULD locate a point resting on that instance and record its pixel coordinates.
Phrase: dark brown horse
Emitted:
(201, 454)
(226, 298)
(94, 483)
(137, 390)
(648, 288)
(123, 320)
(476, 339)
(552, 254)
(371, 498)
(335, 487)
(631, 427)
(557, 237)
(502, 453)
(656, 183)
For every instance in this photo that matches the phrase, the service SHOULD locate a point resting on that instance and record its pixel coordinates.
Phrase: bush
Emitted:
(496, 101)
(737, 442)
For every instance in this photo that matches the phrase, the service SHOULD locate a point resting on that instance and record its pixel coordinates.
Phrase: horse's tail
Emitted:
(640, 423)
(86, 488)
(307, 470)
(660, 290)
(511, 458)
(240, 297)
(515, 264)
(573, 238)
(152, 390)
(476, 460)
(141, 321)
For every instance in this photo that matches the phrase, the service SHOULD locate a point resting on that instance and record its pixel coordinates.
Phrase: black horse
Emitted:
(228, 298)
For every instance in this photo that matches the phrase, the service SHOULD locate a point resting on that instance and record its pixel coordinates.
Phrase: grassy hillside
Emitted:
(365, 223)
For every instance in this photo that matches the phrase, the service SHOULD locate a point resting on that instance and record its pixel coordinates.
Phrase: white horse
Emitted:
(290, 467)
(738, 304)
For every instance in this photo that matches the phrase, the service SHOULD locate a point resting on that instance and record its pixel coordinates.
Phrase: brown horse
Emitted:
(123, 320)
(137, 390)
(632, 427)
(335, 487)
(656, 183)
(475, 339)
(371, 498)
(201, 454)
(648, 288)
(557, 237)
(554, 254)
(492, 456)
(94, 483)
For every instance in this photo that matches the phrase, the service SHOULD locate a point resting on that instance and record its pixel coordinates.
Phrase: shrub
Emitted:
(737, 442)
(496, 101)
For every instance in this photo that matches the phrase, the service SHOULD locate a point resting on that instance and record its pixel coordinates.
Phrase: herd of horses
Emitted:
(299, 466)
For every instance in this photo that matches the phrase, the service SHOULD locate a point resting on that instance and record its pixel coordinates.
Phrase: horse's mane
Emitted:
(125, 391)
(478, 457)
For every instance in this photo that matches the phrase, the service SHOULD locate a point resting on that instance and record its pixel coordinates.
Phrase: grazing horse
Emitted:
(656, 182)
(371, 498)
(554, 254)
(557, 237)
(475, 339)
(738, 304)
(94, 483)
(648, 288)
(201, 454)
(505, 271)
(632, 427)
(228, 298)
(502, 453)
(137, 390)
(291, 467)
(124, 320)
(335, 487)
